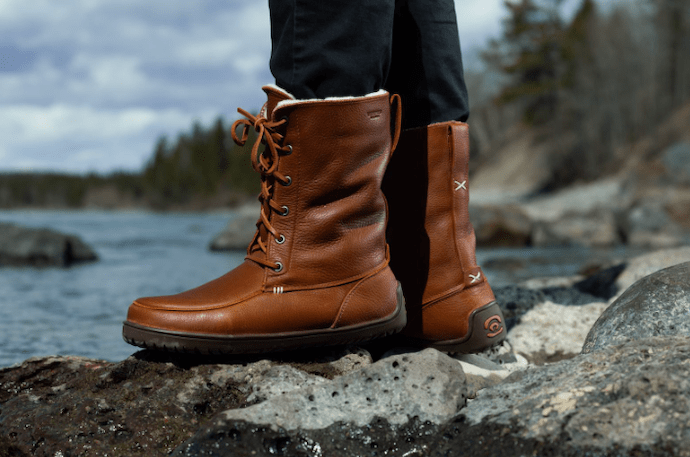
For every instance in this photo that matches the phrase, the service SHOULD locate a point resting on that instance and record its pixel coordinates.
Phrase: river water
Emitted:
(79, 310)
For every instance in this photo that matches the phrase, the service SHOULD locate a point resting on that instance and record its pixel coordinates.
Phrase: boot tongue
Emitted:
(275, 95)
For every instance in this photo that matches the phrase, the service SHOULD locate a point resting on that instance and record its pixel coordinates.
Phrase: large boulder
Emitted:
(656, 305)
(41, 247)
(624, 400)
(239, 232)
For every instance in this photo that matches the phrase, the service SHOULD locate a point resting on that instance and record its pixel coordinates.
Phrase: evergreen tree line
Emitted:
(591, 84)
(200, 163)
(199, 169)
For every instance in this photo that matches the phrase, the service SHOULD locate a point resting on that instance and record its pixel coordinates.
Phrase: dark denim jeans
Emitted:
(331, 48)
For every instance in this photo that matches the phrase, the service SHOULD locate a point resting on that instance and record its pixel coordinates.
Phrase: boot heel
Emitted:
(487, 328)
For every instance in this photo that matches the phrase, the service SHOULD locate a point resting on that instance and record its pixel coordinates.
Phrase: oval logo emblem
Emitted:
(493, 326)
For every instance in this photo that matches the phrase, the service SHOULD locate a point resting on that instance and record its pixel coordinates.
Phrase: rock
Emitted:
(676, 160)
(624, 400)
(516, 301)
(602, 283)
(40, 247)
(656, 305)
(550, 332)
(146, 405)
(597, 228)
(501, 225)
(639, 267)
(610, 281)
(481, 372)
(608, 195)
(428, 385)
(649, 225)
(239, 232)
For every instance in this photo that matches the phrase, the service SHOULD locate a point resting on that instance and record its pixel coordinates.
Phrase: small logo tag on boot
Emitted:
(493, 326)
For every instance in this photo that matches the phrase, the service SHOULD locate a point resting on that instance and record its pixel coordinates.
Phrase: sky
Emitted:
(90, 85)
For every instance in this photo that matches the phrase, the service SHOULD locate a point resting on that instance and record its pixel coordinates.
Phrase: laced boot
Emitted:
(316, 272)
(450, 304)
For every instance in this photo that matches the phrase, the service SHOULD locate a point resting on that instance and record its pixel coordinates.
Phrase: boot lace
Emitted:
(266, 164)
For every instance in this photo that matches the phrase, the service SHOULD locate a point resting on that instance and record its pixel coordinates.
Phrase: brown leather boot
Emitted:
(317, 270)
(450, 304)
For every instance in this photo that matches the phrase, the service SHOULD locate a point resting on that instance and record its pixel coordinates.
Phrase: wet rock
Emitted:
(239, 232)
(501, 225)
(41, 247)
(598, 228)
(239, 438)
(656, 305)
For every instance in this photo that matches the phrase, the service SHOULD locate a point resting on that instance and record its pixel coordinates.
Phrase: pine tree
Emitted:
(529, 53)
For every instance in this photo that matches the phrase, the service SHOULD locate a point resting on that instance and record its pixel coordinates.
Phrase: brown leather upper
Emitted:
(319, 258)
(431, 237)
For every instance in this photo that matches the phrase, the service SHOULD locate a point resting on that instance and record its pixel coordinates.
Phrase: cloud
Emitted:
(90, 84)
(82, 138)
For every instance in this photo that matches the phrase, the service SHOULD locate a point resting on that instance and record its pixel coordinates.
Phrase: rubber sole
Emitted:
(486, 329)
(166, 340)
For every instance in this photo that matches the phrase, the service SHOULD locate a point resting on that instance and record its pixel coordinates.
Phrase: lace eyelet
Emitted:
(289, 151)
(285, 212)
(280, 240)
(288, 183)
(278, 268)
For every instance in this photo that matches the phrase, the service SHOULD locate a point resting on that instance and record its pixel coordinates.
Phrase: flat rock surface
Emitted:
(426, 384)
